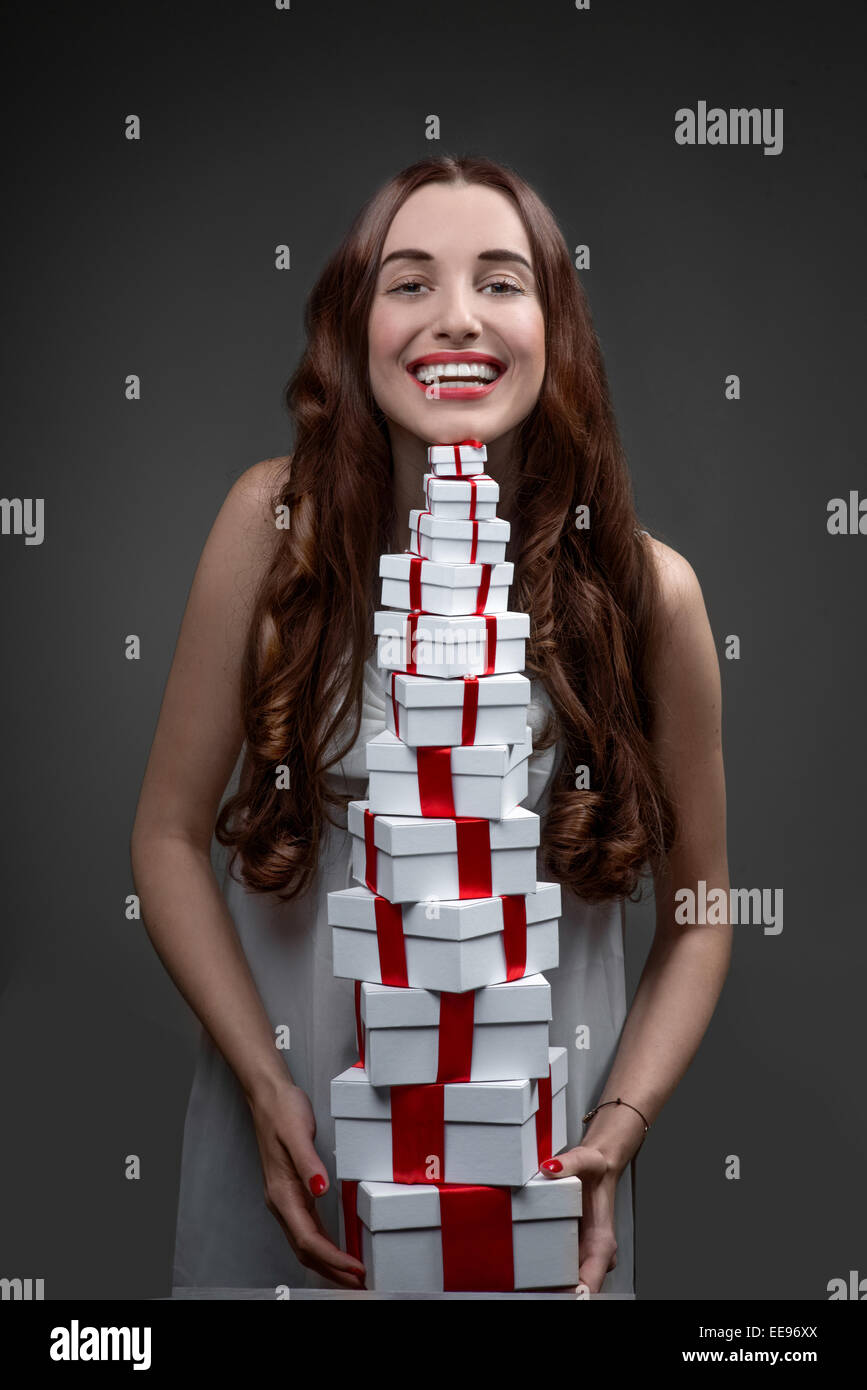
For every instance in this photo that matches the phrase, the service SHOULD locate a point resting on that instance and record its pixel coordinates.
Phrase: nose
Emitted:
(455, 318)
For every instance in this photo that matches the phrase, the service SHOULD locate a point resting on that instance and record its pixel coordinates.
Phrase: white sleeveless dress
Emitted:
(225, 1235)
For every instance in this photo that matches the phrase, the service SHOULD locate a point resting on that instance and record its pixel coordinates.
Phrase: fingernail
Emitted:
(317, 1184)
(552, 1165)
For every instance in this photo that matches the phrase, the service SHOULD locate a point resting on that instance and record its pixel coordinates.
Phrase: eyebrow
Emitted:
(413, 254)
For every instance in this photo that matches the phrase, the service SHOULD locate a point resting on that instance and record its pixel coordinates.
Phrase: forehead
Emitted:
(447, 219)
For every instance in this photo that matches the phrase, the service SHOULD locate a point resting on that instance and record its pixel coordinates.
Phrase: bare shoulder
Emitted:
(679, 589)
(685, 646)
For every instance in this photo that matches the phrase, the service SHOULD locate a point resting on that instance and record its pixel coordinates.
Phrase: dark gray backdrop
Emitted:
(156, 258)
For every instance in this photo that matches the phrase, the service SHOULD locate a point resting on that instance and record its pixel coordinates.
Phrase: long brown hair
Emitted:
(591, 594)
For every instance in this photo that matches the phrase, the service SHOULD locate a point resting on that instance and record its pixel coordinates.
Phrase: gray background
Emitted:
(157, 258)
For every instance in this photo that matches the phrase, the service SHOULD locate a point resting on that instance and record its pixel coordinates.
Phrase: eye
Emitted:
(511, 286)
(407, 285)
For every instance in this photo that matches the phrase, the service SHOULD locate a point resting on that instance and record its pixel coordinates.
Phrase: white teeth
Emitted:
(456, 373)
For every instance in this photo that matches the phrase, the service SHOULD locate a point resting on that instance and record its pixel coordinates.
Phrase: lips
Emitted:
(456, 375)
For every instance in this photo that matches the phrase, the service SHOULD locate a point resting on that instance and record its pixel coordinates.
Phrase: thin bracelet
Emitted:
(618, 1101)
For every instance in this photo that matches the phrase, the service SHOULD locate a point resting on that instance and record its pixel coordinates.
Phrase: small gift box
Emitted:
(461, 499)
(416, 1036)
(458, 542)
(496, 1132)
(427, 712)
(485, 780)
(407, 858)
(408, 581)
(416, 1238)
(457, 460)
(448, 946)
(434, 644)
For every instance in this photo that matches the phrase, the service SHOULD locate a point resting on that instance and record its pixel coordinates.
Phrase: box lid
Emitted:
(424, 692)
(387, 753)
(519, 1001)
(464, 1102)
(456, 919)
(398, 835)
(450, 628)
(467, 453)
(494, 529)
(394, 1206)
(396, 566)
(458, 489)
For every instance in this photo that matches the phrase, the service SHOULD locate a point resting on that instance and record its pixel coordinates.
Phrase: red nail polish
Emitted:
(317, 1184)
(552, 1165)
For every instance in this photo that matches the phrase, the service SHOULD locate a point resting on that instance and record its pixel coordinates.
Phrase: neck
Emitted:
(409, 454)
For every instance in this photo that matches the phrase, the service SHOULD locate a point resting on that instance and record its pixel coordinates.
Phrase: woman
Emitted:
(275, 669)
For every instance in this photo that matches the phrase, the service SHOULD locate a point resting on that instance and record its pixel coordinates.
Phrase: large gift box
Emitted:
(486, 780)
(458, 542)
(457, 460)
(408, 581)
(426, 712)
(416, 1238)
(415, 1036)
(496, 1132)
(448, 946)
(461, 499)
(437, 644)
(407, 858)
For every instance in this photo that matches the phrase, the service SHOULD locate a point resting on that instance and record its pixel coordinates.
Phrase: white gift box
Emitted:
(486, 780)
(498, 1033)
(461, 499)
(457, 460)
(458, 542)
(433, 713)
(450, 946)
(402, 1242)
(456, 590)
(407, 858)
(488, 1132)
(440, 645)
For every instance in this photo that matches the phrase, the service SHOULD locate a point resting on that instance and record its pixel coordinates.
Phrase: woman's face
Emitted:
(456, 337)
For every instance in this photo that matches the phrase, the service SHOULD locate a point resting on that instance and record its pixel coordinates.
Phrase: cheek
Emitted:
(528, 342)
(384, 339)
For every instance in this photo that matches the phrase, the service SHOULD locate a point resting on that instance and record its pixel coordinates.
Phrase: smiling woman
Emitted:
(451, 312)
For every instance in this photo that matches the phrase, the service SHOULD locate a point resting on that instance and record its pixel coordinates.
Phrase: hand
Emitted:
(285, 1129)
(596, 1242)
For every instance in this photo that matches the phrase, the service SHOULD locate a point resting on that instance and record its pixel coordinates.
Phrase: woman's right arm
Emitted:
(198, 738)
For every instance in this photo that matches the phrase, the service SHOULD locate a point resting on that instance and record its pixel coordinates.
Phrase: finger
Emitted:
(576, 1163)
(313, 1247)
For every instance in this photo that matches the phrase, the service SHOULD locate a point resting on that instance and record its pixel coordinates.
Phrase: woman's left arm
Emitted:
(686, 965)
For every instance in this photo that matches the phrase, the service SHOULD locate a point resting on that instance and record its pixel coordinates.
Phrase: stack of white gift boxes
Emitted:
(457, 1098)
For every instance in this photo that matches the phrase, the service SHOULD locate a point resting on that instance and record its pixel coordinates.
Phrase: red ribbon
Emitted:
(359, 1027)
(484, 586)
(475, 544)
(369, 850)
(470, 709)
(476, 1234)
(515, 934)
(474, 856)
(418, 530)
(544, 1119)
(456, 1036)
(417, 1133)
(411, 625)
(351, 1219)
(490, 642)
(415, 581)
(395, 707)
(435, 790)
(390, 940)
